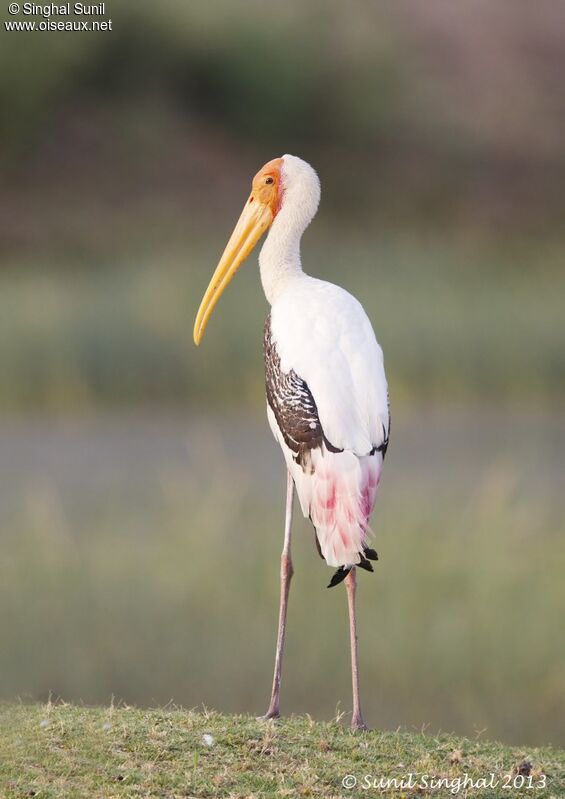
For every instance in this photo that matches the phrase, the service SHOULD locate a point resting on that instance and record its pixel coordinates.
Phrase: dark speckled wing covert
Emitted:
(293, 405)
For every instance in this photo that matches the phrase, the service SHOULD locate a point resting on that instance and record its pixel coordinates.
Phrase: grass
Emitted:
(50, 751)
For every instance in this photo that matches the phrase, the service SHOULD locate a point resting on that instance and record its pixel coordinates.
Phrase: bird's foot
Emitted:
(272, 713)
(358, 725)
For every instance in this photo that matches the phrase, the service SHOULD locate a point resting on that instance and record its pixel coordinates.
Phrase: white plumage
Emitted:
(322, 333)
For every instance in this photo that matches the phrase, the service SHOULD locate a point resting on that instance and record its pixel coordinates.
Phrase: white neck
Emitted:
(279, 259)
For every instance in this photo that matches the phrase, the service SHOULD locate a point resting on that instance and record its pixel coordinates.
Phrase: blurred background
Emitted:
(141, 494)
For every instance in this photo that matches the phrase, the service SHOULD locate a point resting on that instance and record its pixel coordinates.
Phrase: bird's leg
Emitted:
(357, 722)
(286, 575)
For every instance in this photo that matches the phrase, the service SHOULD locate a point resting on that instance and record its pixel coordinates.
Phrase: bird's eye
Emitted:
(270, 180)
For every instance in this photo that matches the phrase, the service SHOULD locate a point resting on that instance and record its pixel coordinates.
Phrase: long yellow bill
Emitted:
(255, 218)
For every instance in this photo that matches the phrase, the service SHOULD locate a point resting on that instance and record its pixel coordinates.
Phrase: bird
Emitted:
(327, 394)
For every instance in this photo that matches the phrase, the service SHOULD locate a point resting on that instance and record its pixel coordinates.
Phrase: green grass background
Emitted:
(53, 750)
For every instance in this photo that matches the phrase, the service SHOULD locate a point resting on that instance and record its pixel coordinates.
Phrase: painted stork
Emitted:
(327, 398)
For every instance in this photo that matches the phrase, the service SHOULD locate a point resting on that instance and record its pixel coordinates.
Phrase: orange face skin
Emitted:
(266, 186)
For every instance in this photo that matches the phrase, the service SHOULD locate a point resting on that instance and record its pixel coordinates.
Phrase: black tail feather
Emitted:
(339, 576)
(365, 564)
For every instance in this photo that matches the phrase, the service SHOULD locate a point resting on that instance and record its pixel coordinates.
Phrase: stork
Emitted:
(327, 397)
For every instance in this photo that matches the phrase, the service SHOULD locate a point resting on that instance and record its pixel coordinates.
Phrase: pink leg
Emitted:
(286, 575)
(357, 722)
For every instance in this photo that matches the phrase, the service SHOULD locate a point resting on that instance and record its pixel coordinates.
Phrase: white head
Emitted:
(285, 195)
(299, 192)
